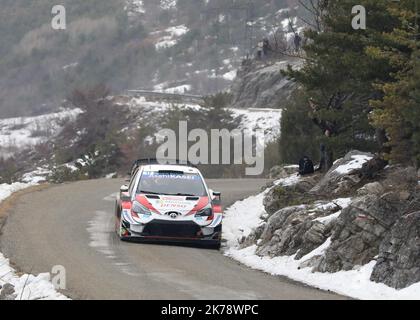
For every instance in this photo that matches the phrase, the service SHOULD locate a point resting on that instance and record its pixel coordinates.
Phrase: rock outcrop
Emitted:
(282, 196)
(379, 220)
(295, 230)
(344, 175)
(262, 86)
(282, 172)
(359, 231)
(398, 263)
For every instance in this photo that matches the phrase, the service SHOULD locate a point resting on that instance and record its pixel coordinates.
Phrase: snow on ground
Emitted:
(23, 132)
(29, 180)
(179, 89)
(354, 283)
(177, 31)
(168, 4)
(6, 190)
(253, 119)
(173, 34)
(71, 65)
(282, 11)
(27, 287)
(244, 216)
(141, 103)
(265, 119)
(357, 163)
(289, 181)
(230, 76)
(134, 7)
(159, 87)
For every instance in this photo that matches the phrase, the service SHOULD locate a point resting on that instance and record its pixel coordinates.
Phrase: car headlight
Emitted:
(208, 212)
(138, 209)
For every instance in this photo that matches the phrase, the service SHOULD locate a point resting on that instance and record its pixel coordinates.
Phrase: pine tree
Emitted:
(338, 74)
(398, 112)
(300, 136)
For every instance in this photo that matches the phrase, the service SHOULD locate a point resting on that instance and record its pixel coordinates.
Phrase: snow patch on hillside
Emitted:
(171, 37)
(134, 7)
(179, 89)
(261, 119)
(168, 4)
(19, 133)
(267, 120)
(231, 75)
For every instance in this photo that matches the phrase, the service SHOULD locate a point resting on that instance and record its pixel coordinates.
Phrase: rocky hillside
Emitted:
(351, 217)
(103, 135)
(187, 45)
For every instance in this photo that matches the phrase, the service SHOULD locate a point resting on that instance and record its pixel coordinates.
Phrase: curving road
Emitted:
(72, 225)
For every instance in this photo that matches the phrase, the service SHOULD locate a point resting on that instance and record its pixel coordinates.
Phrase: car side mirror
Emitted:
(125, 197)
(124, 194)
(217, 197)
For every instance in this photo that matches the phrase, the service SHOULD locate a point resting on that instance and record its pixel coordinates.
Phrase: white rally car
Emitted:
(170, 203)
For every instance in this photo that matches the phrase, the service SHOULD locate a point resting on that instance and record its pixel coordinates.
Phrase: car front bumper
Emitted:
(173, 231)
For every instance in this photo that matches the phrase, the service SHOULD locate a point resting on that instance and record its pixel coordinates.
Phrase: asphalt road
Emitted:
(72, 225)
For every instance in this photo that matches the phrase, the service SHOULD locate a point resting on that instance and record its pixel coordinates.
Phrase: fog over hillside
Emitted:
(195, 46)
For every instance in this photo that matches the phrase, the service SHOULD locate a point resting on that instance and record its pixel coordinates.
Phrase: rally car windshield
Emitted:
(171, 183)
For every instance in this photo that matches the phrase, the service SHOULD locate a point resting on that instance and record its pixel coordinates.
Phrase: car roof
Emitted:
(160, 167)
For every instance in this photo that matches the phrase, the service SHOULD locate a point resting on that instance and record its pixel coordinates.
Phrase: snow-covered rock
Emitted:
(369, 241)
(344, 174)
(294, 242)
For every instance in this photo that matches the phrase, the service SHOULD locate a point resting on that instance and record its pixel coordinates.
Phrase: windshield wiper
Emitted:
(149, 192)
(169, 194)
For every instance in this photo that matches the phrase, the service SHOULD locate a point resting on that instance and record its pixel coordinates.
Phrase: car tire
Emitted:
(119, 228)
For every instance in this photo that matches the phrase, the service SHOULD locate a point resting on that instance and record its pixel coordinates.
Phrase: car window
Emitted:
(172, 183)
(133, 182)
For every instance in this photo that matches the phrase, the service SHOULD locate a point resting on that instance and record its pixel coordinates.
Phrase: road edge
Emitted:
(7, 204)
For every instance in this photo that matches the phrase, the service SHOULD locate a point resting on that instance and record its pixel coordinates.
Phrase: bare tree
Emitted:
(317, 10)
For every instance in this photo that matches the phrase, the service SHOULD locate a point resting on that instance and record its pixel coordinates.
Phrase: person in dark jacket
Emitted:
(326, 161)
(266, 47)
(306, 166)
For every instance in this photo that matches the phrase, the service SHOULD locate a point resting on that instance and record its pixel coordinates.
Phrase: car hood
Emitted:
(163, 204)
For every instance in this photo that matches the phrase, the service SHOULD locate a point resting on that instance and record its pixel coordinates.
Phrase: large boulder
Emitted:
(398, 263)
(371, 188)
(284, 195)
(282, 172)
(358, 233)
(363, 226)
(296, 230)
(344, 175)
(400, 178)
